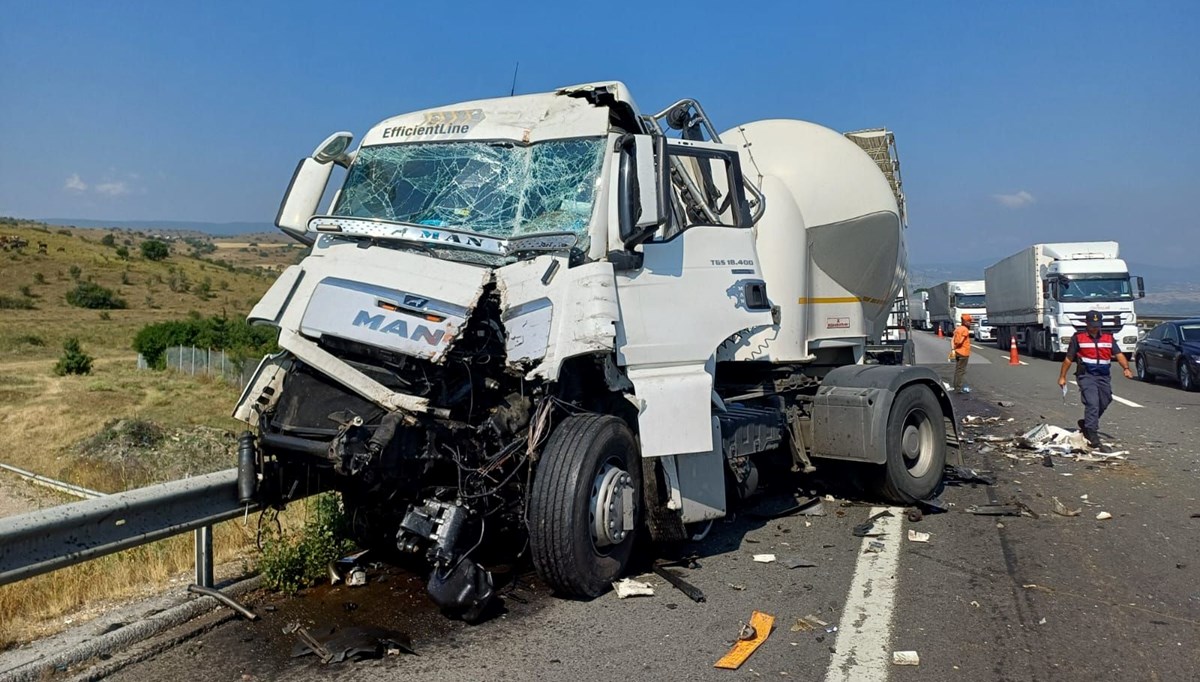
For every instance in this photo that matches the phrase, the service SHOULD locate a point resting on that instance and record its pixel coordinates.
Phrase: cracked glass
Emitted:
(499, 189)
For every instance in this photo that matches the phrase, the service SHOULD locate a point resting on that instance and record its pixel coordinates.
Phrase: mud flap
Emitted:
(675, 409)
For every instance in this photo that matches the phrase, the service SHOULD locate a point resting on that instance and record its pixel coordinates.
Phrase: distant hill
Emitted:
(216, 229)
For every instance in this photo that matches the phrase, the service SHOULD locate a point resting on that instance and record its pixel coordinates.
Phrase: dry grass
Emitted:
(44, 419)
(49, 603)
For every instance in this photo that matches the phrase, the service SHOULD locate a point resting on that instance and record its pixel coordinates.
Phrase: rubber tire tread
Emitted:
(563, 482)
(895, 483)
(1145, 375)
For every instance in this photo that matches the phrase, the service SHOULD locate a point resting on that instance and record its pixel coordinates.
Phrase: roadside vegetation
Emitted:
(73, 301)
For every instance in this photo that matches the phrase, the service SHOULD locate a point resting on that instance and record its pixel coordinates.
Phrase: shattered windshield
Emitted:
(1095, 289)
(500, 189)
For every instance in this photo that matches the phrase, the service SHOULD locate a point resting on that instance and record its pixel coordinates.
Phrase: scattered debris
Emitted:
(353, 643)
(796, 562)
(1005, 403)
(1061, 509)
(1047, 461)
(691, 591)
(628, 587)
(1103, 516)
(764, 558)
(737, 587)
(905, 658)
(760, 627)
(933, 505)
(917, 536)
(809, 507)
(994, 510)
(808, 624)
(874, 547)
(863, 529)
(1049, 438)
(956, 475)
(914, 515)
(357, 577)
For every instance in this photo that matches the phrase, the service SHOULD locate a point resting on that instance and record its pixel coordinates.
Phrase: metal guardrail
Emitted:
(59, 486)
(57, 537)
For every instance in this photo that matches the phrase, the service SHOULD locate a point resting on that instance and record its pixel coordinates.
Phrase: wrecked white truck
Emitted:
(550, 323)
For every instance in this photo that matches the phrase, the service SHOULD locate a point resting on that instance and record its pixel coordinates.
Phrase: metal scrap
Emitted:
(353, 643)
(224, 599)
(808, 624)
(691, 591)
(863, 529)
(956, 475)
(994, 510)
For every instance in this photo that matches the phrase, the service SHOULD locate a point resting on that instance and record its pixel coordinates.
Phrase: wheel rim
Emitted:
(1185, 377)
(611, 506)
(916, 443)
(1140, 363)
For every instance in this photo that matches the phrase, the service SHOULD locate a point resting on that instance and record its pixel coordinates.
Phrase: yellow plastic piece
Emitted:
(762, 624)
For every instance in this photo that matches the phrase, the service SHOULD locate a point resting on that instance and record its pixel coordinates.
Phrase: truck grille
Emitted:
(1109, 322)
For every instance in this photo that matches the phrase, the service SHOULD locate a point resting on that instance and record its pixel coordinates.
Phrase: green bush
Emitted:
(108, 240)
(11, 303)
(94, 296)
(152, 249)
(237, 336)
(29, 340)
(75, 272)
(73, 360)
(122, 253)
(290, 563)
(39, 278)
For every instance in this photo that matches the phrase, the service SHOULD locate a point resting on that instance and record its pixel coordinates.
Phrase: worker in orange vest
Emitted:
(960, 349)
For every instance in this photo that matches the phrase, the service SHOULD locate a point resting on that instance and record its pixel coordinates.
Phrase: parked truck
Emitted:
(919, 302)
(554, 322)
(949, 300)
(1039, 295)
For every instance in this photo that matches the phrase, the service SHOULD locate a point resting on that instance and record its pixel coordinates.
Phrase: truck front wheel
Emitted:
(585, 505)
(916, 447)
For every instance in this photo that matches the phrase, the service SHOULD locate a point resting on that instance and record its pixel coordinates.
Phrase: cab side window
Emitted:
(706, 189)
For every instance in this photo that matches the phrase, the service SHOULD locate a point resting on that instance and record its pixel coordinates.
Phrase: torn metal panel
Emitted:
(676, 413)
(553, 312)
(263, 390)
(353, 379)
(271, 306)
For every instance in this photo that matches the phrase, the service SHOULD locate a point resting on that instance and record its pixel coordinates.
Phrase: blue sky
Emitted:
(1016, 122)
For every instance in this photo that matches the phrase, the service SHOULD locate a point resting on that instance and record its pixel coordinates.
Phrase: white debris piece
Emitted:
(1050, 438)
(764, 558)
(628, 587)
(906, 658)
(1103, 516)
(917, 536)
(1061, 509)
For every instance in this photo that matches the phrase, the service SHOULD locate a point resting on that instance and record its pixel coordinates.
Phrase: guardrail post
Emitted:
(204, 556)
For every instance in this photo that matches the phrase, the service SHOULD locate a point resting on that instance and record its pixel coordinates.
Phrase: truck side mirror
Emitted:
(641, 187)
(1141, 287)
(304, 193)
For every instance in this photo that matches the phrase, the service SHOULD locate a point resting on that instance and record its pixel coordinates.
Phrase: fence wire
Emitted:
(206, 362)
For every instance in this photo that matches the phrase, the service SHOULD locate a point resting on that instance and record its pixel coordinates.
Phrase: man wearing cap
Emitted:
(960, 348)
(1093, 351)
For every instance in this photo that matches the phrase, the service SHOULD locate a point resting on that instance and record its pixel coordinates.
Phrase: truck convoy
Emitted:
(552, 323)
(949, 300)
(1039, 295)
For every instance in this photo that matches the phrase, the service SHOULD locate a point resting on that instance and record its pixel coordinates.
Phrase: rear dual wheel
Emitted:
(916, 447)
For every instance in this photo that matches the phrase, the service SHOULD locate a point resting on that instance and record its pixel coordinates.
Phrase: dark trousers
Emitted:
(960, 370)
(1096, 393)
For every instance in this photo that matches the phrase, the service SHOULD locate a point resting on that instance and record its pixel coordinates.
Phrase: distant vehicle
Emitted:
(1172, 349)
(948, 302)
(1040, 294)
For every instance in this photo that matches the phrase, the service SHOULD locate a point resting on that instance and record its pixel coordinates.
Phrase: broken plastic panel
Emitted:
(500, 189)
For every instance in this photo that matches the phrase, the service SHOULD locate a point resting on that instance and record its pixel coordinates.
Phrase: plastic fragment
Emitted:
(764, 558)
(874, 547)
(906, 658)
(761, 625)
(628, 587)
(1061, 509)
(917, 536)
(1103, 516)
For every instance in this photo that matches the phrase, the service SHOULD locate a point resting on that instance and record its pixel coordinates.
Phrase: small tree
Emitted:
(122, 253)
(92, 295)
(108, 240)
(152, 249)
(73, 360)
(76, 272)
(39, 278)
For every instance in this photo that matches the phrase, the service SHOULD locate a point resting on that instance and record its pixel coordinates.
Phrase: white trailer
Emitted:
(551, 317)
(949, 300)
(1040, 294)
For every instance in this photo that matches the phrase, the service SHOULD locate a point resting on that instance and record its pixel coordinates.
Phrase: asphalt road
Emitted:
(987, 598)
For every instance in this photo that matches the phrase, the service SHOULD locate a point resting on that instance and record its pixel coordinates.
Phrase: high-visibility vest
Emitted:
(1095, 352)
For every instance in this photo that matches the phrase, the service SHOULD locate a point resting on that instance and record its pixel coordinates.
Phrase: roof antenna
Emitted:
(513, 91)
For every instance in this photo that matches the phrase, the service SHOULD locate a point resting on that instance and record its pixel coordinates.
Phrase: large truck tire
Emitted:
(589, 469)
(916, 447)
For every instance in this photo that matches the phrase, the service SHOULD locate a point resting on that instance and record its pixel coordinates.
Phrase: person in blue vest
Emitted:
(1093, 351)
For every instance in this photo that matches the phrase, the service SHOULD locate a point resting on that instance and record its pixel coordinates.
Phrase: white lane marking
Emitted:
(1121, 400)
(863, 646)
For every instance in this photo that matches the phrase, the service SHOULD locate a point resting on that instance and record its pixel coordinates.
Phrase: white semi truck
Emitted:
(1040, 294)
(551, 321)
(949, 300)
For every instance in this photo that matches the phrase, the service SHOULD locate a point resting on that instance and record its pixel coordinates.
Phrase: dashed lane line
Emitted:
(1121, 400)
(863, 647)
